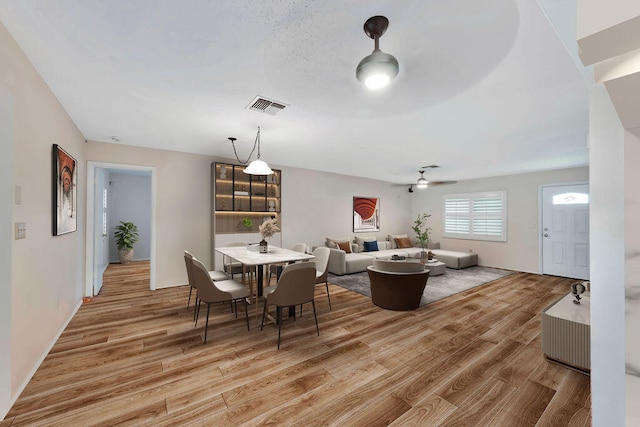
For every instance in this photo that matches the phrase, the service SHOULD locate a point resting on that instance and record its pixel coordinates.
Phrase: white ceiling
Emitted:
(485, 88)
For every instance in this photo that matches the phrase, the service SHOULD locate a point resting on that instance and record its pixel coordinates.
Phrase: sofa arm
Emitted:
(337, 261)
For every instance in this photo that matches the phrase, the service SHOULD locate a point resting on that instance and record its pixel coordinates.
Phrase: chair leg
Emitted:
(279, 324)
(189, 300)
(301, 310)
(314, 315)
(264, 313)
(246, 312)
(196, 312)
(328, 296)
(206, 326)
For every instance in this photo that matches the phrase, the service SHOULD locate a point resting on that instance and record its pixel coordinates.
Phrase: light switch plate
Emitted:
(21, 230)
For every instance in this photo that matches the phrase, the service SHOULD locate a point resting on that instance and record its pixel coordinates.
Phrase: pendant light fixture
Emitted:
(256, 167)
(379, 68)
(422, 181)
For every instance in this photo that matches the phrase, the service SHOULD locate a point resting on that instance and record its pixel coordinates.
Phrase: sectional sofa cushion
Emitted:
(341, 262)
(454, 259)
(392, 239)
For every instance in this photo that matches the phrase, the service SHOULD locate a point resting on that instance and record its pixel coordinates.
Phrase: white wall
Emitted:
(129, 200)
(6, 236)
(521, 251)
(632, 275)
(46, 271)
(607, 234)
(317, 205)
(182, 203)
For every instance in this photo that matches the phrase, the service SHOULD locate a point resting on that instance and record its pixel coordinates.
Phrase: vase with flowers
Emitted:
(267, 229)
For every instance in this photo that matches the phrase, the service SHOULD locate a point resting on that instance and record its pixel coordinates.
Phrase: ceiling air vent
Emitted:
(264, 105)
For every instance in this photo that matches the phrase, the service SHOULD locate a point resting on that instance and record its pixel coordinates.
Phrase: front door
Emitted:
(565, 231)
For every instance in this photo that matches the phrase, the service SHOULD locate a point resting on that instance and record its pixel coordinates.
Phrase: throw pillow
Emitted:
(345, 246)
(361, 239)
(403, 242)
(332, 241)
(392, 239)
(370, 246)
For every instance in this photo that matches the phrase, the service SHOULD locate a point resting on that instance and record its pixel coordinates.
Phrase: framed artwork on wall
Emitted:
(366, 214)
(64, 190)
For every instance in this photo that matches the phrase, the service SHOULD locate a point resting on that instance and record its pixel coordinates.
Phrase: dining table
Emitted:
(250, 257)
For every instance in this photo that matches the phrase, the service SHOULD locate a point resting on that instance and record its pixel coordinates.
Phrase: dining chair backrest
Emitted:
(300, 247)
(321, 255)
(296, 285)
(207, 289)
(188, 261)
(230, 266)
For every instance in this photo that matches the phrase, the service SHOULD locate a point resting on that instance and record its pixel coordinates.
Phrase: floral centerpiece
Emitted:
(267, 229)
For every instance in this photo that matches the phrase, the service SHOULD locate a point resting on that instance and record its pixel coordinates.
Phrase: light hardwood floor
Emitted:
(134, 357)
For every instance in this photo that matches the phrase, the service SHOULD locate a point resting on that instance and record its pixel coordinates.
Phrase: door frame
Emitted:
(89, 233)
(540, 213)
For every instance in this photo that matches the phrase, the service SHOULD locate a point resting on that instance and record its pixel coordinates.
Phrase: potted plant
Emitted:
(245, 224)
(126, 235)
(422, 234)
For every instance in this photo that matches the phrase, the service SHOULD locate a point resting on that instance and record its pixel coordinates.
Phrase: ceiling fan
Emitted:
(423, 183)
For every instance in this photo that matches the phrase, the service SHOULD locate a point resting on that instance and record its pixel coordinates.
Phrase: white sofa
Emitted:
(341, 262)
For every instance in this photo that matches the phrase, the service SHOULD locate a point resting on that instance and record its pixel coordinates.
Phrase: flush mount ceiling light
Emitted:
(422, 181)
(256, 167)
(377, 69)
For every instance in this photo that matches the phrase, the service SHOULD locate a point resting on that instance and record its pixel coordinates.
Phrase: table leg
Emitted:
(260, 279)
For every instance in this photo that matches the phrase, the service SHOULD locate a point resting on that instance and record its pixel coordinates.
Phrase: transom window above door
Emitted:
(571, 199)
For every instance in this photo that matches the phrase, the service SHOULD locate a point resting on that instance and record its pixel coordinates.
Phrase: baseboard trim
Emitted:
(172, 286)
(510, 269)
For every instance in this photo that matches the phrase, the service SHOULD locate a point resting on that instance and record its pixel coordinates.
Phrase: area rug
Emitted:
(438, 287)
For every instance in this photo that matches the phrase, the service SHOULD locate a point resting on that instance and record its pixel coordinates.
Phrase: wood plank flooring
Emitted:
(133, 357)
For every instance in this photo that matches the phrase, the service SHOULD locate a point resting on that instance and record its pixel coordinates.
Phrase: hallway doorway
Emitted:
(118, 192)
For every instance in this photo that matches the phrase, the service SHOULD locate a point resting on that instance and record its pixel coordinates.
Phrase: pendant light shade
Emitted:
(256, 167)
(379, 68)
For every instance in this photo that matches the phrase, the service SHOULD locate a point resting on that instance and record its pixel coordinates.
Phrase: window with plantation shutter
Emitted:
(476, 216)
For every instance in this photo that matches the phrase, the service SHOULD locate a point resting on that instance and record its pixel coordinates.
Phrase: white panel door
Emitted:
(565, 231)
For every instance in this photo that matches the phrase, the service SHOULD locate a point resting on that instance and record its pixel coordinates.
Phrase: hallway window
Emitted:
(104, 212)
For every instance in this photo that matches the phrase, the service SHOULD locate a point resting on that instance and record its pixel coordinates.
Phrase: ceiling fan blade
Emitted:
(441, 182)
